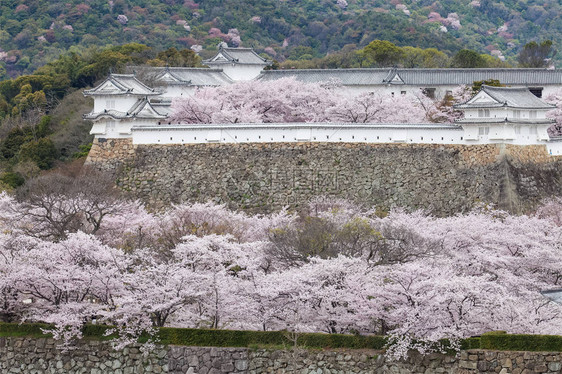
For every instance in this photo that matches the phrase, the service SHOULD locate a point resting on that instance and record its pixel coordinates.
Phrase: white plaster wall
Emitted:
(177, 90)
(554, 148)
(122, 102)
(506, 133)
(504, 112)
(241, 72)
(196, 134)
(117, 129)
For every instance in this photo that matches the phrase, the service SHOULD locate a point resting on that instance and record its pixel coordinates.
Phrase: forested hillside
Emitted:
(34, 32)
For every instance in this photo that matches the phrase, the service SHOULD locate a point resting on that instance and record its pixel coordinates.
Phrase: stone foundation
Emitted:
(261, 177)
(41, 356)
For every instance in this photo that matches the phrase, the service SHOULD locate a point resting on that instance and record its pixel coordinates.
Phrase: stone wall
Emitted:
(41, 356)
(442, 179)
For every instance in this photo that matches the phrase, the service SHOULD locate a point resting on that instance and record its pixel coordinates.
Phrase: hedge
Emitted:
(534, 343)
(234, 338)
(218, 338)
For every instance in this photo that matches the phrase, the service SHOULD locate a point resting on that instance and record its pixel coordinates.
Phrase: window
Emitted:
(533, 130)
(532, 114)
(110, 125)
(429, 92)
(483, 112)
(110, 104)
(537, 91)
(483, 131)
(516, 114)
(517, 130)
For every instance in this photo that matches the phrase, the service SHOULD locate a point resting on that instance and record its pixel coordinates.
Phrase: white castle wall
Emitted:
(326, 133)
(241, 72)
(272, 133)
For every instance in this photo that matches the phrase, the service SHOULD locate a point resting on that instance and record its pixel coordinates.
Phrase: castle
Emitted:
(136, 106)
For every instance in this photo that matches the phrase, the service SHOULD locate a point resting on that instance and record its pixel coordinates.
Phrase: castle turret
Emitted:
(505, 115)
(240, 64)
(120, 100)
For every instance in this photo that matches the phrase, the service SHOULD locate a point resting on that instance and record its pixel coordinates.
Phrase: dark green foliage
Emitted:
(497, 340)
(27, 329)
(10, 145)
(505, 342)
(11, 179)
(381, 53)
(43, 126)
(220, 338)
(231, 338)
(534, 55)
(319, 25)
(470, 343)
(84, 150)
(466, 58)
(477, 85)
(41, 151)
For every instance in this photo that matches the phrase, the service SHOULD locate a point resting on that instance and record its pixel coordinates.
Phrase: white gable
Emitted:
(109, 87)
(396, 79)
(168, 77)
(147, 111)
(481, 98)
(220, 57)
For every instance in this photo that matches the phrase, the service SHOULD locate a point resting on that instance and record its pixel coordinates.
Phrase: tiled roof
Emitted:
(508, 96)
(159, 76)
(334, 125)
(142, 109)
(347, 77)
(420, 77)
(121, 84)
(238, 55)
(522, 121)
(468, 76)
(199, 76)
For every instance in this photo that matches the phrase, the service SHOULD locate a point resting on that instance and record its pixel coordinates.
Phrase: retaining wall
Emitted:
(443, 179)
(41, 356)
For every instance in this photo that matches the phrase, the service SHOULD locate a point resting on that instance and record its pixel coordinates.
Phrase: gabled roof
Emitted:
(393, 77)
(523, 77)
(243, 56)
(164, 76)
(121, 84)
(347, 77)
(515, 121)
(421, 77)
(142, 110)
(491, 97)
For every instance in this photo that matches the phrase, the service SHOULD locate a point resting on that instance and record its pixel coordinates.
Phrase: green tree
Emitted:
(11, 179)
(466, 58)
(173, 57)
(477, 85)
(381, 53)
(42, 152)
(534, 55)
(424, 58)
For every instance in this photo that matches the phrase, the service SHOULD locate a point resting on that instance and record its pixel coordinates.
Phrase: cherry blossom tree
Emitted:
(288, 100)
(555, 98)
(335, 267)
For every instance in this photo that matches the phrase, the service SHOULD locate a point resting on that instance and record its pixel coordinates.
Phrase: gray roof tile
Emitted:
(142, 109)
(162, 76)
(510, 97)
(347, 77)
(121, 84)
(238, 55)
(420, 77)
